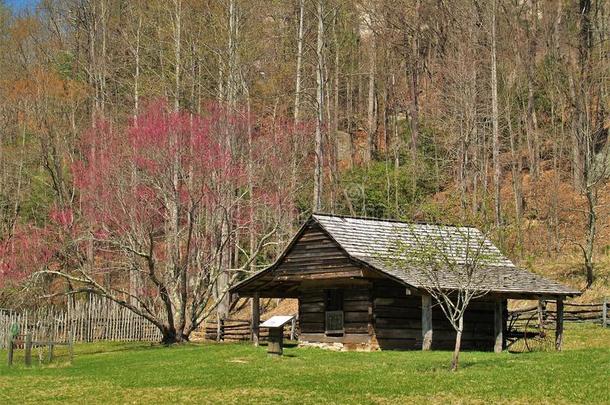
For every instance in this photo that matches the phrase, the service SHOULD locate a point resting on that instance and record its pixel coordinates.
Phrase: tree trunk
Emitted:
(170, 336)
(177, 51)
(495, 119)
(414, 79)
(317, 186)
(458, 344)
(297, 107)
(533, 142)
(591, 230)
(516, 177)
(297, 90)
(371, 104)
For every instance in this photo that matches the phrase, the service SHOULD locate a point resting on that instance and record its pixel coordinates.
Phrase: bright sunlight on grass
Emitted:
(240, 373)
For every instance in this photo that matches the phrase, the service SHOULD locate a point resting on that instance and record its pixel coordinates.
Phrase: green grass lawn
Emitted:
(240, 373)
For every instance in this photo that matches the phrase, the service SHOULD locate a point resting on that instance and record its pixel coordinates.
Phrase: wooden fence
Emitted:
(235, 330)
(89, 320)
(96, 319)
(572, 312)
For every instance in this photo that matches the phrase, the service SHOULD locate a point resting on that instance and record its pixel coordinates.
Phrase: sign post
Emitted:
(275, 346)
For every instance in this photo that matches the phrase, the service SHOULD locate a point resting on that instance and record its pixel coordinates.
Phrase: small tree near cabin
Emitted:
(452, 267)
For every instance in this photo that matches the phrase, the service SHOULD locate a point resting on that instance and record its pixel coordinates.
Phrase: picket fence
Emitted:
(90, 320)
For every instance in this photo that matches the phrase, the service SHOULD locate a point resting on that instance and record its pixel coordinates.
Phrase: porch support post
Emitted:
(498, 326)
(541, 311)
(426, 322)
(256, 316)
(559, 324)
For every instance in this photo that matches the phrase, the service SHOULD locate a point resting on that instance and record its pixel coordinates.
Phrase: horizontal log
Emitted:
(312, 307)
(313, 264)
(319, 275)
(314, 230)
(306, 256)
(232, 330)
(341, 282)
(351, 316)
(411, 333)
(319, 245)
(311, 300)
(356, 306)
(356, 328)
(398, 302)
(312, 327)
(228, 326)
(310, 295)
(312, 317)
(581, 311)
(574, 304)
(392, 313)
(397, 322)
(231, 320)
(356, 295)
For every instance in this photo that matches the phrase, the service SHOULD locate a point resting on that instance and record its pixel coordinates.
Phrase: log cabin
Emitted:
(353, 295)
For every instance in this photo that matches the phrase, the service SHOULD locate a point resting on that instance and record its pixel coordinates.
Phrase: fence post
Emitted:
(541, 310)
(292, 328)
(71, 345)
(605, 312)
(50, 354)
(28, 349)
(256, 318)
(559, 324)
(10, 351)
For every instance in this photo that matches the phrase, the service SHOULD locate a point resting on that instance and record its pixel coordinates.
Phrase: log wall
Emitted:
(356, 315)
(315, 254)
(397, 317)
(398, 321)
(383, 316)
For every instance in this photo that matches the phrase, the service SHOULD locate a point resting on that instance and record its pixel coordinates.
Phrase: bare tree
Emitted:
(596, 172)
(495, 118)
(587, 88)
(452, 267)
(319, 148)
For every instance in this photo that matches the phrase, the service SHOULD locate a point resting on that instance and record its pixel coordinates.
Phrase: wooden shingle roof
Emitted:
(378, 244)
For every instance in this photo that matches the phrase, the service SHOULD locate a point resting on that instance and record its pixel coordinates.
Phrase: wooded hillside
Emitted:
(195, 136)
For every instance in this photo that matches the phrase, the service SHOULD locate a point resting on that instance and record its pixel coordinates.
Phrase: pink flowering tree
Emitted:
(166, 216)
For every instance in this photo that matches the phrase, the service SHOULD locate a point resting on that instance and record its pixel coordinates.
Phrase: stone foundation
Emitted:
(339, 347)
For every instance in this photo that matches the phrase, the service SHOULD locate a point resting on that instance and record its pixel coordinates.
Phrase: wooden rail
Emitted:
(28, 344)
(573, 312)
(235, 330)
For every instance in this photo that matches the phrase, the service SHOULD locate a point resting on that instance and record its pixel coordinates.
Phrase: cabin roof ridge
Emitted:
(393, 220)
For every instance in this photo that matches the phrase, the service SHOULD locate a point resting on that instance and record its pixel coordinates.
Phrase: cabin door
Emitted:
(333, 309)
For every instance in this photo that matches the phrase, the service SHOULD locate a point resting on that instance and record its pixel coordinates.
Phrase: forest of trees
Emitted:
(176, 145)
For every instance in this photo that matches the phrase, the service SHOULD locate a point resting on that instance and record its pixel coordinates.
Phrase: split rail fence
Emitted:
(572, 312)
(235, 330)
